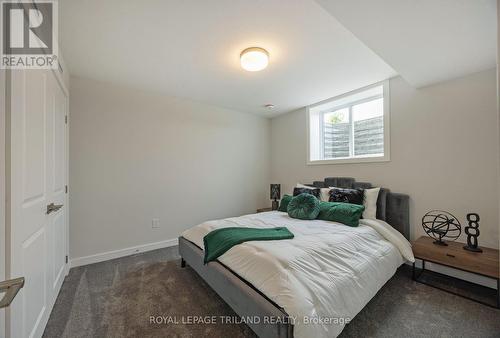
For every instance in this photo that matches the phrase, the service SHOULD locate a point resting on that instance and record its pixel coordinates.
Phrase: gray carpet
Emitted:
(116, 299)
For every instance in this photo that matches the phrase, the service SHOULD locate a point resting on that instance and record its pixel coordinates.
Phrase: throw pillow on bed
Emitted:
(284, 203)
(370, 203)
(309, 190)
(345, 213)
(354, 196)
(303, 206)
(324, 193)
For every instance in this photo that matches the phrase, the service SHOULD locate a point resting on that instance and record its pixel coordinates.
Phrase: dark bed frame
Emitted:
(247, 301)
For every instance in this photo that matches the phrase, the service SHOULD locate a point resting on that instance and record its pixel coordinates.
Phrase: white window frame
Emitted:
(313, 109)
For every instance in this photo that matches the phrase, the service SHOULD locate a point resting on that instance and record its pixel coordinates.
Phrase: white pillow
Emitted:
(370, 203)
(324, 192)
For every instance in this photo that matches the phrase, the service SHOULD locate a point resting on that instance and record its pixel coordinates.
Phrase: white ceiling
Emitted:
(426, 41)
(191, 49)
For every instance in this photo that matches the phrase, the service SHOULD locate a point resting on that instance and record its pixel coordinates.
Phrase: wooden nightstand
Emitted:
(481, 263)
(264, 210)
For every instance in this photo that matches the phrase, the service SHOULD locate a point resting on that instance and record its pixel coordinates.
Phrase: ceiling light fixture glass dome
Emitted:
(254, 59)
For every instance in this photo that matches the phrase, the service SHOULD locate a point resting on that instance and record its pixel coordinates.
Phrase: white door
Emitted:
(38, 178)
(2, 192)
(57, 193)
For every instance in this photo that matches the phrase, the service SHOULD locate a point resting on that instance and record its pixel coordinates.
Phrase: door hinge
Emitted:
(66, 189)
(66, 119)
(66, 259)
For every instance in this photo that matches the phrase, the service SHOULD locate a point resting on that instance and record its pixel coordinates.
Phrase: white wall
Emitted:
(3, 250)
(498, 97)
(444, 151)
(136, 155)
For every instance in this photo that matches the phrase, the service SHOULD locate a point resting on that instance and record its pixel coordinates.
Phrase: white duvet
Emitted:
(323, 276)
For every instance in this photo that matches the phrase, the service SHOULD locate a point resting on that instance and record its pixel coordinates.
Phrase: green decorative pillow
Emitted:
(303, 206)
(284, 203)
(345, 213)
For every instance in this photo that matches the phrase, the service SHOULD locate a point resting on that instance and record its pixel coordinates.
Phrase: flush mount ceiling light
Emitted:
(254, 59)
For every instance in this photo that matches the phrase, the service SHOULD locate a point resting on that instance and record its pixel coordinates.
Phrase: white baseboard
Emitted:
(470, 277)
(106, 256)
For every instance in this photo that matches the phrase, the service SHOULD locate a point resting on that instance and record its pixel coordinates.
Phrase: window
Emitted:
(351, 128)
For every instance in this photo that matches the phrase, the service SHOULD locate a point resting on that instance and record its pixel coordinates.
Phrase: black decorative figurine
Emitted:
(441, 224)
(275, 195)
(472, 232)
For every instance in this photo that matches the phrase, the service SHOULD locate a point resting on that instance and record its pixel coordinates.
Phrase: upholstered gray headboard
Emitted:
(392, 207)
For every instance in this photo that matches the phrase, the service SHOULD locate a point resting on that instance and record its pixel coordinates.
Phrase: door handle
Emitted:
(11, 288)
(53, 208)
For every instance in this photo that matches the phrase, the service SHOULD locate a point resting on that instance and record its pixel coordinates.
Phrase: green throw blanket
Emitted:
(219, 241)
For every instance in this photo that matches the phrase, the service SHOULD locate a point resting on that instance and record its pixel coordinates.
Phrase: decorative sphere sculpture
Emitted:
(440, 224)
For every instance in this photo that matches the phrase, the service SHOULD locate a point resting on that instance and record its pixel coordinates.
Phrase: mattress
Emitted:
(323, 276)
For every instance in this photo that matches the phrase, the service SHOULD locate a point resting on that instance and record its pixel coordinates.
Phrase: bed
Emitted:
(310, 286)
